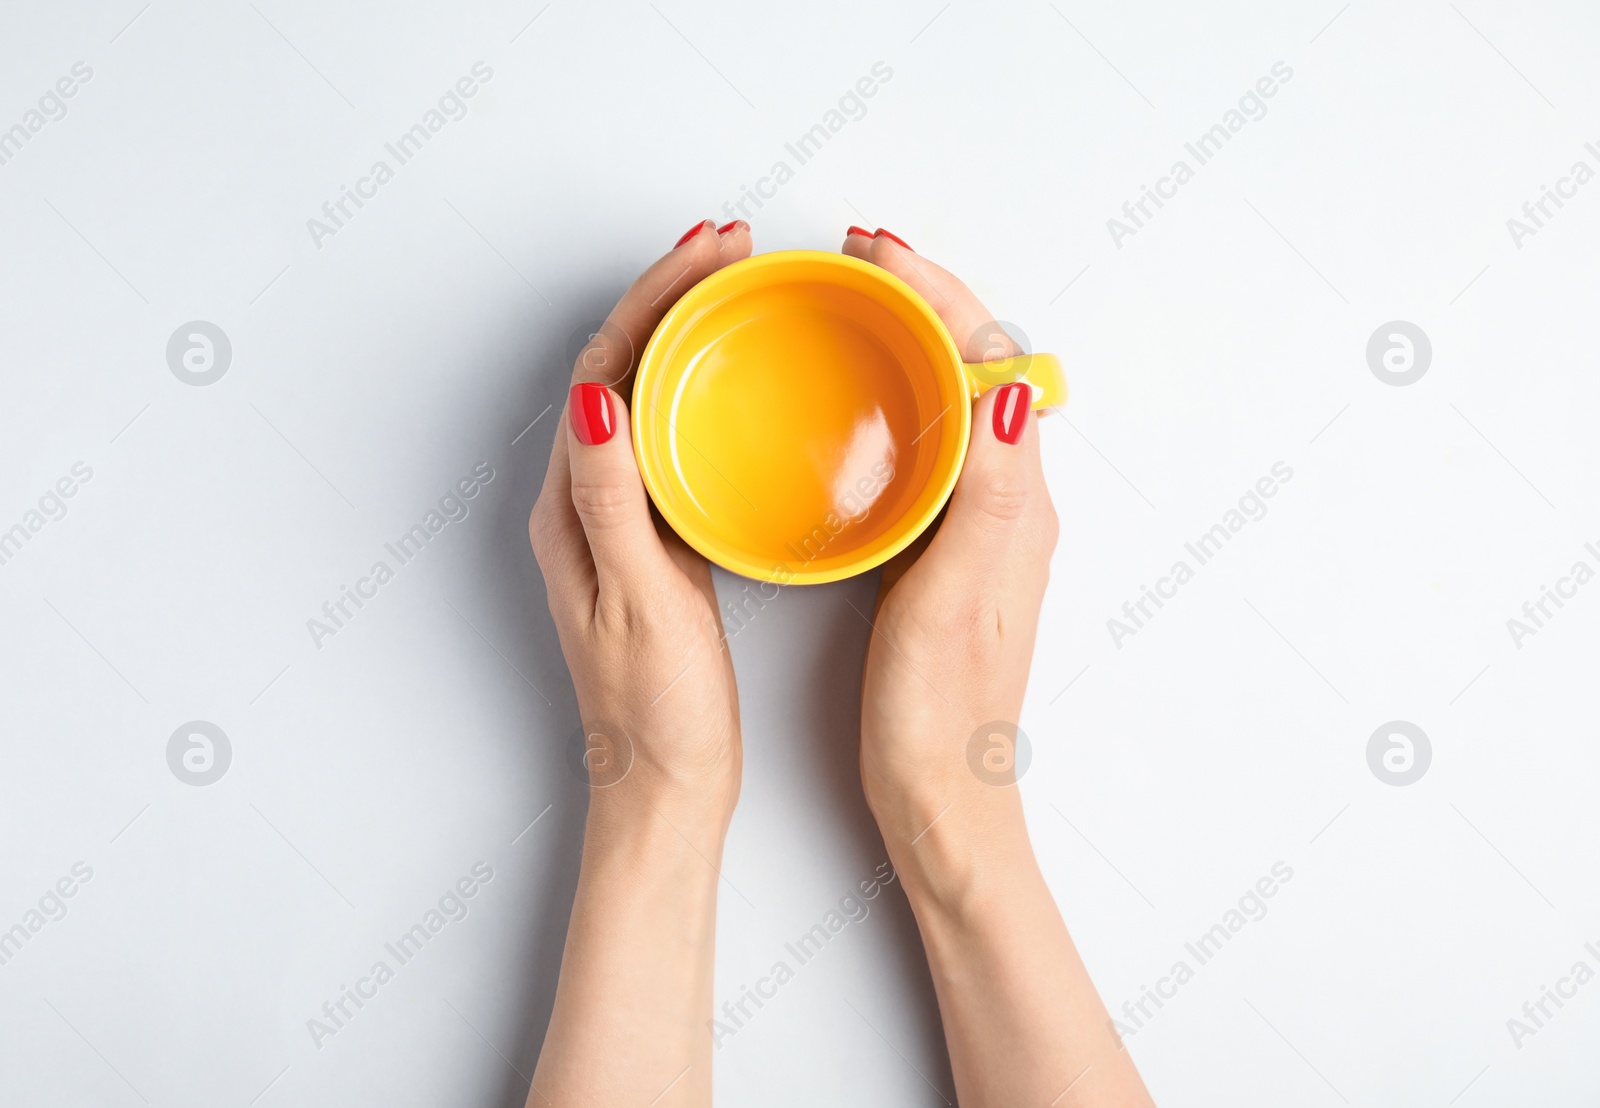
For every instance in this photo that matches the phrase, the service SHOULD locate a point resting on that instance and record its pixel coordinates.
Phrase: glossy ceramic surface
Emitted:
(800, 416)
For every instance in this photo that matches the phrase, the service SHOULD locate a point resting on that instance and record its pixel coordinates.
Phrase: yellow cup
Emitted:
(801, 417)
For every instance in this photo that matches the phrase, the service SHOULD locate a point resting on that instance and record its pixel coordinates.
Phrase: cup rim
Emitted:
(653, 476)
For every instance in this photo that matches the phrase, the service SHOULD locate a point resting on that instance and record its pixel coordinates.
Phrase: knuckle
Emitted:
(602, 503)
(616, 616)
(606, 358)
(1001, 497)
(634, 609)
(537, 530)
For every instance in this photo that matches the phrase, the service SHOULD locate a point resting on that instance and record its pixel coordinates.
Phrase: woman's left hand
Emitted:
(639, 627)
(633, 605)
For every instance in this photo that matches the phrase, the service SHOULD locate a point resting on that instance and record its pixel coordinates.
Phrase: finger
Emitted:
(557, 533)
(733, 241)
(978, 337)
(562, 552)
(999, 522)
(607, 493)
(858, 243)
(992, 480)
(609, 359)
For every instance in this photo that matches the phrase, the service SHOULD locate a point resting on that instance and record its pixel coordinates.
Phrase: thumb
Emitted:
(607, 492)
(1000, 513)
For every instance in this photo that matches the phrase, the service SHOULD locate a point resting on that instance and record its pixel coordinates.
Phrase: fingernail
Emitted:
(726, 227)
(1011, 404)
(854, 230)
(692, 232)
(892, 237)
(590, 408)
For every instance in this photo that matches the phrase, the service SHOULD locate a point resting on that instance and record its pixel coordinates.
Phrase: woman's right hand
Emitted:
(953, 635)
(946, 670)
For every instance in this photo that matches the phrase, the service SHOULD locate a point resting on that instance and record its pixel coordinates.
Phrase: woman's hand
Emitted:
(946, 670)
(954, 630)
(639, 627)
(633, 605)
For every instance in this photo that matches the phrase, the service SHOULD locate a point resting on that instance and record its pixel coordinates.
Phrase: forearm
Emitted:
(630, 1023)
(1023, 1022)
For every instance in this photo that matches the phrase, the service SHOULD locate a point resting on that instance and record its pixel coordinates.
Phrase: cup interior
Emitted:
(800, 416)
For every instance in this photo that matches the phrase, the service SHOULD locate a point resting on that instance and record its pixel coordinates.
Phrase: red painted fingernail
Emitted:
(726, 227)
(590, 408)
(892, 237)
(1011, 405)
(854, 230)
(692, 232)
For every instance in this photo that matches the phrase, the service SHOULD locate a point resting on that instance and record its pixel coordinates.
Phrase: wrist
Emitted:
(955, 855)
(697, 809)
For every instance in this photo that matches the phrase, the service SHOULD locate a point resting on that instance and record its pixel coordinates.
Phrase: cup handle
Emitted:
(1042, 372)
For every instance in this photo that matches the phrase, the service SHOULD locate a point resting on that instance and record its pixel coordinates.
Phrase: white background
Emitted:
(1169, 773)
